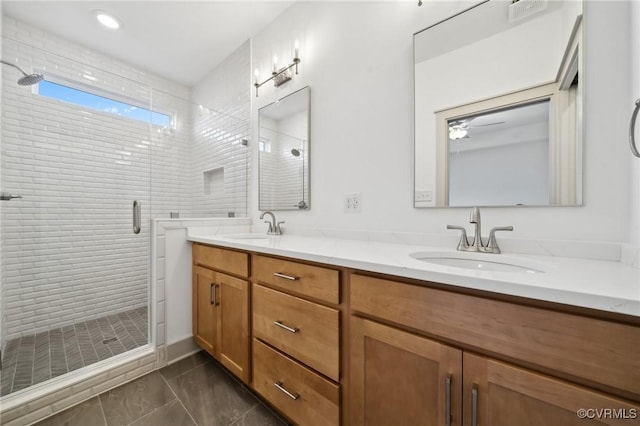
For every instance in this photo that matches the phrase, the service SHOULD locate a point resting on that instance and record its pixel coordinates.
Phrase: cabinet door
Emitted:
(204, 320)
(233, 325)
(506, 395)
(398, 378)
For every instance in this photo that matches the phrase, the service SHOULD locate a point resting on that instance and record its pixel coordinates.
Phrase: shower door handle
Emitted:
(5, 196)
(136, 217)
(632, 130)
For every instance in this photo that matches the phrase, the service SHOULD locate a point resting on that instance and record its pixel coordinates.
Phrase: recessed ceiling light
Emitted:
(107, 20)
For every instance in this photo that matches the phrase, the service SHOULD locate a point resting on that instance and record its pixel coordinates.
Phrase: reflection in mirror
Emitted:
(498, 107)
(283, 148)
(506, 149)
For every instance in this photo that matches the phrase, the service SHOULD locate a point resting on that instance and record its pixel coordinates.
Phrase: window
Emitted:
(100, 103)
(264, 145)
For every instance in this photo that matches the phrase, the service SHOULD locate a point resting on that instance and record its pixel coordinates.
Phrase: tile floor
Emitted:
(195, 391)
(33, 359)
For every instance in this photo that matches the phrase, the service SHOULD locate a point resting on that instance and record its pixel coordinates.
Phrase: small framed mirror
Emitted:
(283, 153)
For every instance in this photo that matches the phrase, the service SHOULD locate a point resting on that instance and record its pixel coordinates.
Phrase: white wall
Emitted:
(358, 59)
(515, 174)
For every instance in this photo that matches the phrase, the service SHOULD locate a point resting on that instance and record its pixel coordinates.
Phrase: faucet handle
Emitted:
(492, 244)
(464, 242)
(278, 230)
(270, 229)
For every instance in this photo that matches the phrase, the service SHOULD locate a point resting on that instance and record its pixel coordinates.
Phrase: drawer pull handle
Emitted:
(282, 389)
(285, 276)
(286, 327)
(447, 400)
(474, 405)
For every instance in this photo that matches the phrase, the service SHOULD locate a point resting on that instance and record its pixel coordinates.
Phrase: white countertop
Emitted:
(597, 284)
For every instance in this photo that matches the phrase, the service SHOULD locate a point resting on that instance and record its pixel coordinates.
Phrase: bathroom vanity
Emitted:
(373, 338)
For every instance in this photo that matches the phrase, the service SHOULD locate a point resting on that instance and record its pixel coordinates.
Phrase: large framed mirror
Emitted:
(498, 106)
(283, 153)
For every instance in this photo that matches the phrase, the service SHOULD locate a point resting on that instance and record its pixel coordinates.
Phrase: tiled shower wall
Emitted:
(68, 250)
(219, 160)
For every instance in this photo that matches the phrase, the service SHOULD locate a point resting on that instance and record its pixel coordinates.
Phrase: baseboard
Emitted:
(181, 349)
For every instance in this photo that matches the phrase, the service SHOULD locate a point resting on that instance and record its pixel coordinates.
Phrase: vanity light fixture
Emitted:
(279, 75)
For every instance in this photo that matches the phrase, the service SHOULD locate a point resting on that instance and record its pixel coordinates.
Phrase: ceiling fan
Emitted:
(459, 129)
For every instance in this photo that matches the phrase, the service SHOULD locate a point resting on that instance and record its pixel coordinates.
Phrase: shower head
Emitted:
(27, 79)
(30, 79)
(295, 152)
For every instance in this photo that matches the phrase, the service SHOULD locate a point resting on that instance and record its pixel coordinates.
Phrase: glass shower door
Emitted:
(75, 247)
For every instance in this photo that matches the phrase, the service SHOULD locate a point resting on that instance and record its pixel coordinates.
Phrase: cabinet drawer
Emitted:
(305, 280)
(280, 379)
(600, 352)
(233, 262)
(304, 330)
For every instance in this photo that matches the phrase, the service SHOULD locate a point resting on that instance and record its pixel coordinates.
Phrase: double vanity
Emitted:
(336, 331)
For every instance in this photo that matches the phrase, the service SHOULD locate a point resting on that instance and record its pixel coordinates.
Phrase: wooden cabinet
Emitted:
(416, 353)
(220, 308)
(305, 397)
(427, 382)
(307, 331)
(399, 378)
(204, 313)
(507, 395)
(313, 282)
(233, 325)
(296, 339)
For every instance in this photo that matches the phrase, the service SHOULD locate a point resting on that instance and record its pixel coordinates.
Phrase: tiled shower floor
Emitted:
(33, 359)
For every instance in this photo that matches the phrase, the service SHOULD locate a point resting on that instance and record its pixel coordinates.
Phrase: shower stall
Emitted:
(89, 156)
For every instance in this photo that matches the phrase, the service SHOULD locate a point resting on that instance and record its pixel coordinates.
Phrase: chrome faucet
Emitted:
(274, 227)
(474, 218)
(477, 245)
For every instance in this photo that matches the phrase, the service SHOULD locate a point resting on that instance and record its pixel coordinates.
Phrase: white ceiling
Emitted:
(179, 40)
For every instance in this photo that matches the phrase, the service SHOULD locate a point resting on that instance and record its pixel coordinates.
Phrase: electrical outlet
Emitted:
(424, 195)
(352, 203)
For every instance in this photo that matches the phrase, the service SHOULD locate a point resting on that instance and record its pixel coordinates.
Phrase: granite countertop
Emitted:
(597, 284)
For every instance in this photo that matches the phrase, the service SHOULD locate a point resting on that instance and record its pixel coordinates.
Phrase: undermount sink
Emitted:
(478, 262)
(249, 236)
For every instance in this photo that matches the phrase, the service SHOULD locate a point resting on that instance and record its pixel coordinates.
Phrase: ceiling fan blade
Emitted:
(488, 124)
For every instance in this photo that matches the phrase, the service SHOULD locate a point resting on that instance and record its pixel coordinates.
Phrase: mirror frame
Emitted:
(306, 195)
